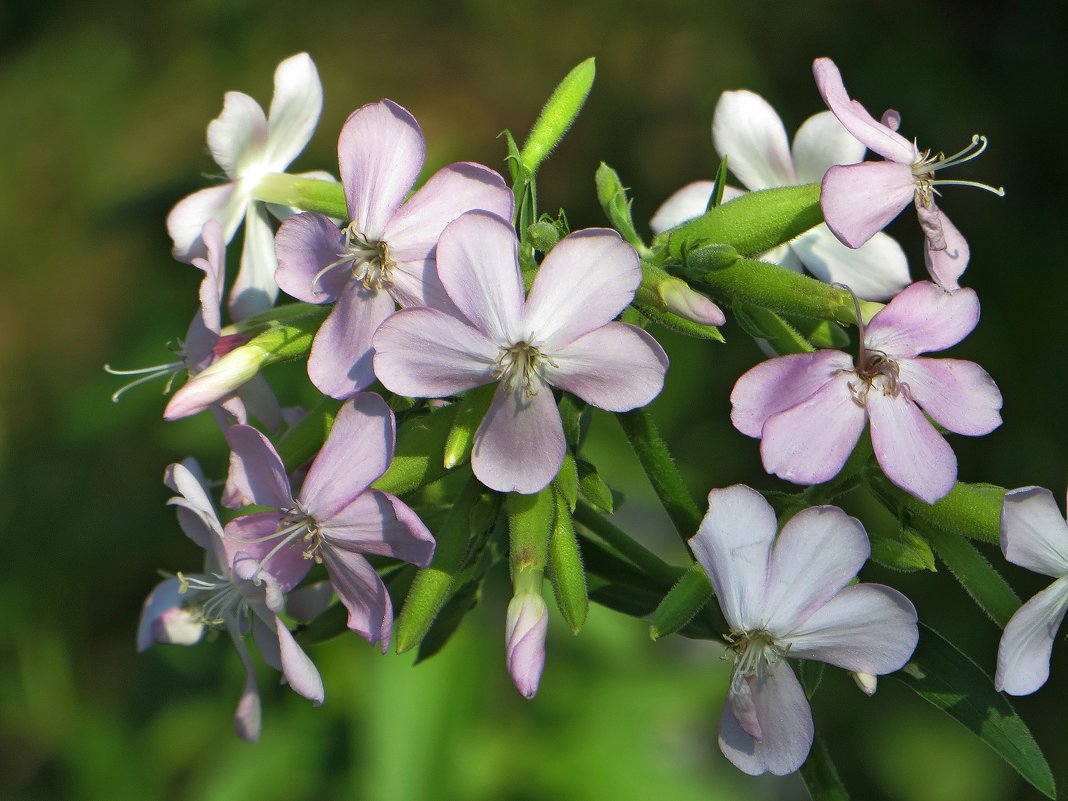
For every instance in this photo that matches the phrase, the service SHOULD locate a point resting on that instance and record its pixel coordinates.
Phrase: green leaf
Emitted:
(767, 325)
(943, 676)
(593, 488)
(970, 510)
(612, 196)
(471, 408)
(978, 577)
(565, 567)
(449, 618)
(905, 552)
(690, 593)
(418, 459)
(820, 775)
(558, 115)
(810, 672)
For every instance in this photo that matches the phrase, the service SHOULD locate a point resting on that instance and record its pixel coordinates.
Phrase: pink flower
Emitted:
(860, 199)
(1033, 535)
(809, 409)
(526, 627)
(750, 135)
(385, 254)
(181, 608)
(791, 596)
(336, 518)
(562, 335)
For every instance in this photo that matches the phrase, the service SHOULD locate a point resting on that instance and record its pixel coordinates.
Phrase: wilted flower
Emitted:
(791, 597)
(1033, 535)
(562, 335)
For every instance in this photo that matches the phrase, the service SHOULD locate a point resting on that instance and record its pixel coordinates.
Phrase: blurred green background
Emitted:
(105, 107)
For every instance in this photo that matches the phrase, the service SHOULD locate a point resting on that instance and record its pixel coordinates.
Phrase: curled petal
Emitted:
(617, 367)
(924, 318)
(248, 717)
(809, 442)
(185, 223)
(520, 445)
(780, 706)
(295, 109)
(820, 143)
(859, 200)
(298, 669)
(733, 546)
(909, 450)
(204, 331)
(1034, 534)
(946, 257)
(750, 135)
(164, 620)
(526, 627)
(1026, 645)
(959, 395)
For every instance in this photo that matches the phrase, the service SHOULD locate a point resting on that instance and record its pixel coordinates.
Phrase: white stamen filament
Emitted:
(519, 368)
(296, 524)
(754, 652)
(146, 374)
(224, 600)
(927, 164)
(368, 261)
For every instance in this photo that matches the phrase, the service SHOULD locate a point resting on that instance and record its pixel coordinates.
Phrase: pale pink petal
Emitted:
(306, 243)
(186, 220)
(733, 545)
(256, 469)
(681, 299)
(909, 450)
(247, 718)
(924, 318)
(959, 395)
(777, 384)
(295, 109)
(684, 205)
(211, 288)
(947, 260)
(585, 281)
(258, 399)
(298, 669)
(254, 289)
(785, 722)
(413, 231)
(526, 626)
(164, 620)
(238, 136)
(520, 445)
(425, 353)
(340, 362)
(381, 524)
(478, 263)
(380, 152)
(872, 133)
(809, 442)
(357, 451)
(1026, 645)
(617, 367)
(749, 134)
(866, 627)
(877, 270)
(308, 602)
(265, 635)
(248, 541)
(859, 200)
(820, 143)
(363, 594)
(1034, 534)
(196, 512)
(820, 550)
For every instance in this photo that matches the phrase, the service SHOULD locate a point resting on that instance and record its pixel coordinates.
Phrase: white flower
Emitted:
(248, 145)
(1035, 536)
(749, 134)
(792, 596)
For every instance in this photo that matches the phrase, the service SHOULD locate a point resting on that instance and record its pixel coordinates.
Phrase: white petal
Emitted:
(254, 289)
(749, 134)
(1033, 532)
(185, 223)
(1026, 645)
(684, 205)
(238, 135)
(820, 143)
(295, 109)
(877, 270)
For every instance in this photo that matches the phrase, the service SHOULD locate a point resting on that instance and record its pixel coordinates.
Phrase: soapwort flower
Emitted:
(791, 596)
(860, 199)
(247, 145)
(561, 335)
(336, 518)
(809, 409)
(749, 134)
(181, 608)
(384, 256)
(1033, 535)
(526, 626)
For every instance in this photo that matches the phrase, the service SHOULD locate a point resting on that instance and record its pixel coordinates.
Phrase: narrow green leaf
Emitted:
(820, 775)
(558, 115)
(943, 676)
(906, 552)
(690, 593)
(810, 671)
(565, 568)
(767, 325)
(417, 461)
(593, 488)
(978, 577)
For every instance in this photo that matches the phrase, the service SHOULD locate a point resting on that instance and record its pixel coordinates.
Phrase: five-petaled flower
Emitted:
(561, 335)
(225, 595)
(248, 145)
(1033, 535)
(860, 199)
(809, 409)
(336, 518)
(384, 256)
(748, 133)
(791, 597)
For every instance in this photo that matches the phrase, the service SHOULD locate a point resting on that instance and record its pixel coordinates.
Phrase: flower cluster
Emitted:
(490, 333)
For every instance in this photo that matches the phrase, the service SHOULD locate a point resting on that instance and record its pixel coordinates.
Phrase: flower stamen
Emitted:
(520, 367)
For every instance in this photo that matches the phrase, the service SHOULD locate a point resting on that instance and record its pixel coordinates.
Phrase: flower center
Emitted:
(520, 366)
(753, 652)
(876, 370)
(295, 524)
(369, 262)
(927, 163)
(213, 599)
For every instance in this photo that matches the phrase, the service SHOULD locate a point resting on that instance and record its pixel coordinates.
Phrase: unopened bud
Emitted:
(527, 624)
(684, 301)
(215, 382)
(866, 682)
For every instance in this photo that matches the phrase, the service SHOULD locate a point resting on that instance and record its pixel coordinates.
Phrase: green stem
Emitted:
(640, 556)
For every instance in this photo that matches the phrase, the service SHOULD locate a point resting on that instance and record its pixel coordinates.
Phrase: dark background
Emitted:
(105, 107)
